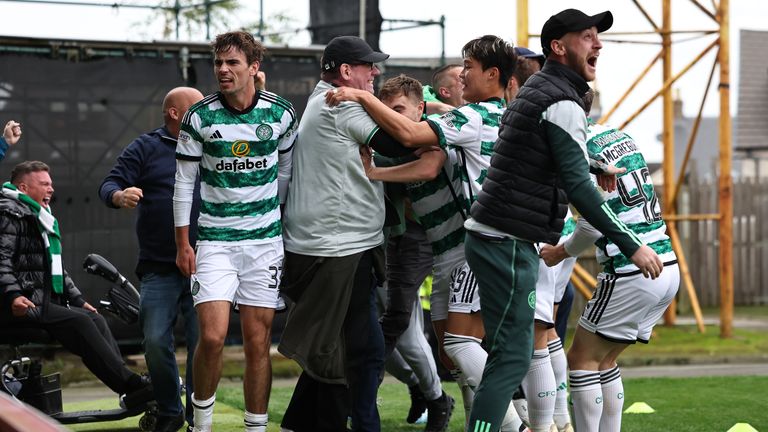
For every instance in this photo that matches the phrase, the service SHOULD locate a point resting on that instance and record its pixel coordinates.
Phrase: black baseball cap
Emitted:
(350, 50)
(526, 53)
(572, 20)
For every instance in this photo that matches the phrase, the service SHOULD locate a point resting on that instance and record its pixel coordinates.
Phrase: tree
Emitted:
(195, 19)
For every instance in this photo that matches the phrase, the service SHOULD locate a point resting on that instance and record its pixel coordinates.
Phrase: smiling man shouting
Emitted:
(540, 153)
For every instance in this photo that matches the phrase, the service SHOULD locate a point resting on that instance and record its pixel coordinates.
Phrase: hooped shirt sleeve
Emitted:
(460, 127)
(189, 153)
(286, 140)
(565, 125)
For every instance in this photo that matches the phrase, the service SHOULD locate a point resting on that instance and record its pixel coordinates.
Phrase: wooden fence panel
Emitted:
(701, 240)
(750, 239)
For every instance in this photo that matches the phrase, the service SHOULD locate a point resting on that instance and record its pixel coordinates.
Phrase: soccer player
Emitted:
(625, 305)
(240, 141)
(467, 132)
(539, 151)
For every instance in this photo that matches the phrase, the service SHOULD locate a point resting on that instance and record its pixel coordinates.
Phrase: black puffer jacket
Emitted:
(24, 267)
(521, 195)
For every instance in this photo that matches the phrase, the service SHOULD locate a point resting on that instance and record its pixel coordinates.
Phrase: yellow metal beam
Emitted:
(706, 11)
(725, 181)
(685, 275)
(667, 84)
(634, 84)
(583, 281)
(691, 217)
(645, 14)
(668, 131)
(692, 137)
(522, 24)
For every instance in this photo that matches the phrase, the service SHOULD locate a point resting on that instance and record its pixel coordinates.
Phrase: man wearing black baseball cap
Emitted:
(332, 226)
(351, 50)
(538, 166)
(527, 64)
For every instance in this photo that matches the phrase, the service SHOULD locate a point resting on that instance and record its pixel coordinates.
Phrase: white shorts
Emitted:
(625, 308)
(441, 283)
(438, 299)
(465, 297)
(242, 275)
(564, 270)
(545, 294)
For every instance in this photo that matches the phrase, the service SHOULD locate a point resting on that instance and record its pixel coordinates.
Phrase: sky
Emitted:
(618, 66)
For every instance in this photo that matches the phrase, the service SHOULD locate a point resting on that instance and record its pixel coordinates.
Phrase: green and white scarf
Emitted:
(49, 228)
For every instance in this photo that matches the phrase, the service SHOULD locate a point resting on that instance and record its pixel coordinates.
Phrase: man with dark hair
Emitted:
(541, 148)
(240, 141)
(143, 178)
(11, 135)
(528, 63)
(469, 131)
(333, 232)
(37, 292)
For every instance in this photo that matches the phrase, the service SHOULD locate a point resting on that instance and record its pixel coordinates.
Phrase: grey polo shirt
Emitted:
(332, 208)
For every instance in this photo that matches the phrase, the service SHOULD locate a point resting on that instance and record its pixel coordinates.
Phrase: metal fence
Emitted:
(80, 103)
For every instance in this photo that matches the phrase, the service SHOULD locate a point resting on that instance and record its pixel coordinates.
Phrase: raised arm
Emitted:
(425, 168)
(565, 125)
(404, 130)
(583, 237)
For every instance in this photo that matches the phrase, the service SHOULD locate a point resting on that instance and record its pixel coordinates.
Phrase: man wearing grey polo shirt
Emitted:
(333, 224)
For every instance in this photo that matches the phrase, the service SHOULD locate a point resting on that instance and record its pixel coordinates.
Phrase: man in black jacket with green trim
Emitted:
(36, 292)
(539, 164)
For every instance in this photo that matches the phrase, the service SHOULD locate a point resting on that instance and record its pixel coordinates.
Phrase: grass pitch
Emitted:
(682, 404)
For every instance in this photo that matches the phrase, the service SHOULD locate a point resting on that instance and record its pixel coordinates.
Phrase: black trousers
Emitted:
(317, 406)
(409, 262)
(87, 335)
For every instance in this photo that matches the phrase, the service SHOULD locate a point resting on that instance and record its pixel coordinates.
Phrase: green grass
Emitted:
(684, 344)
(739, 311)
(681, 404)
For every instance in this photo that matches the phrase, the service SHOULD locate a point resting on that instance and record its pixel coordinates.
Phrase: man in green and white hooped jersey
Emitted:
(625, 305)
(471, 130)
(239, 140)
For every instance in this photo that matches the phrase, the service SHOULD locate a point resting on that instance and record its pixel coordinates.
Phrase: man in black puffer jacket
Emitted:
(538, 159)
(36, 292)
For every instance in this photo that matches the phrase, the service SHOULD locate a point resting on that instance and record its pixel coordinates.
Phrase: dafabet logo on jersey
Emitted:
(241, 148)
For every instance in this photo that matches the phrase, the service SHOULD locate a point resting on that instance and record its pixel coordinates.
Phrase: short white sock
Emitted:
(203, 411)
(560, 368)
(255, 422)
(587, 397)
(540, 391)
(613, 400)
(467, 354)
